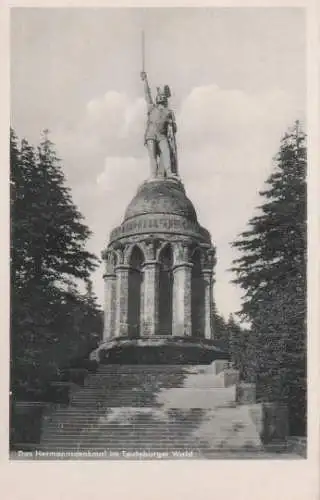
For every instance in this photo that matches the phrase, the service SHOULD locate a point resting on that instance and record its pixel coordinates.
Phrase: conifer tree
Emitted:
(272, 272)
(48, 257)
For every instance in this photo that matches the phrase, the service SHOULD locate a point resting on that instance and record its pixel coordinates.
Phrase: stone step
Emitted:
(174, 396)
(139, 443)
(191, 443)
(124, 423)
(124, 442)
(120, 417)
(114, 382)
(152, 367)
(94, 392)
(115, 434)
(126, 439)
(138, 403)
(163, 427)
(98, 388)
(101, 403)
(140, 424)
(220, 428)
(150, 370)
(158, 407)
(103, 431)
(133, 415)
(112, 437)
(146, 424)
(89, 412)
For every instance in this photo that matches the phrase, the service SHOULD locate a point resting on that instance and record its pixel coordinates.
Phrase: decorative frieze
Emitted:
(157, 224)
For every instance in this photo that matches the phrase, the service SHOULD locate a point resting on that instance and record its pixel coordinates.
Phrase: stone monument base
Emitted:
(158, 350)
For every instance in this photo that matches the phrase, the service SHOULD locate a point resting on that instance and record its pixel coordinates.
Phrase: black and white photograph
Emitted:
(158, 234)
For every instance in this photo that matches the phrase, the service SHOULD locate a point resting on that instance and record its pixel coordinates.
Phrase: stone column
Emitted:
(208, 277)
(181, 310)
(150, 298)
(109, 278)
(208, 301)
(122, 289)
(109, 305)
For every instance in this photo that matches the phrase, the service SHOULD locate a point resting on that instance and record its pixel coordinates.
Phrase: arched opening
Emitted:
(197, 296)
(135, 279)
(165, 290)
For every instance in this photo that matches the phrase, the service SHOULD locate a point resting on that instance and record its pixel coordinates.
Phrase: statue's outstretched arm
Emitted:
(147, 91)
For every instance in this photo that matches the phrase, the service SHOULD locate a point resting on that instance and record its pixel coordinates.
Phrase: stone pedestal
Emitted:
(110, 305)
(246, 393)
(150, 298)
(219, 366)
(275, 423)
(182, 323)
(122, 285)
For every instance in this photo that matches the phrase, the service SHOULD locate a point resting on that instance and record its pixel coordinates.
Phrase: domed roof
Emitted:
(163, 196)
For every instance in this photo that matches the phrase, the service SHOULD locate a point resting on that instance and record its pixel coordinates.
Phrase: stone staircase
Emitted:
(176, 410)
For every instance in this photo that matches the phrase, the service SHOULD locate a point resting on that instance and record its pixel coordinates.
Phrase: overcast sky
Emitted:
(238, 81)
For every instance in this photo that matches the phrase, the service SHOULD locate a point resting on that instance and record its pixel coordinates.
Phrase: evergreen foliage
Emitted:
(235, 339)
(51, 321)
(272, 272)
